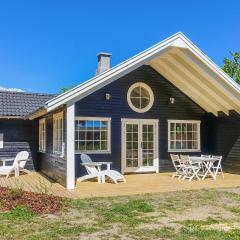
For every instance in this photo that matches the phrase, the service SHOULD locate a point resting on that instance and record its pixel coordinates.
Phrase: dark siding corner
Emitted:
(52, 165)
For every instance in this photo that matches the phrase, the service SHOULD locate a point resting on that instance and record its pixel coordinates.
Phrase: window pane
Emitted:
(97, 135)
(104, 135)
(104, 125)
(97, 125)
(172, 136)
(89, 135)
(136, 102)
(178, 127)
(82, 146)
(178, 136)
(96, 145)
(144, 102)
(82, 135)
(104, 145)
(135, 92)
(189, 136)
(89, 125)
(189, 127)
(81, 125)
(135, 128)
(89, 145)
(178, 145)
(144, 93)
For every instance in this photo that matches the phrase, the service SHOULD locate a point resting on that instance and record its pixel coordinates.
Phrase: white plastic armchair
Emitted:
(94, 171)
(18, 164)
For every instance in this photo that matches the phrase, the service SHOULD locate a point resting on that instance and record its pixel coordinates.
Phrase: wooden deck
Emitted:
(136, 184)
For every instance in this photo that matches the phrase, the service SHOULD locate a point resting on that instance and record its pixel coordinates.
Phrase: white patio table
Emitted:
(207, 162)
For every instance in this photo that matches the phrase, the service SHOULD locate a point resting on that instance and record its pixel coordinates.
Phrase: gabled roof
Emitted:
(20, 104)
(182, 63)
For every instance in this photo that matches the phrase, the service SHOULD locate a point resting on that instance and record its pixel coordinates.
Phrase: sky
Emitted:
(49, 44)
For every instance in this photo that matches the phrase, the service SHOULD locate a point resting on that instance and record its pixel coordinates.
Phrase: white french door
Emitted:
(139, 145)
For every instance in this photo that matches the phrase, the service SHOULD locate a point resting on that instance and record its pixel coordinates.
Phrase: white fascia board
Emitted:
(113, 74)
(99, 81)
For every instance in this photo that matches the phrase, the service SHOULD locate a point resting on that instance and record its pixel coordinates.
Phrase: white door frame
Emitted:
(155, 122)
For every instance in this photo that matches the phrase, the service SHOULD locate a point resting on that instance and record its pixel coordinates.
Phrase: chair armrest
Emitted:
(7, 160)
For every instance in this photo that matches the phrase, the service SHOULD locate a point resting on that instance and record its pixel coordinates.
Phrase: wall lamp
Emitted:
(172, 100)
(107, 96)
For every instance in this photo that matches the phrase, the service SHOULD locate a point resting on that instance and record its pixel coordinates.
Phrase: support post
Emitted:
(70, 115)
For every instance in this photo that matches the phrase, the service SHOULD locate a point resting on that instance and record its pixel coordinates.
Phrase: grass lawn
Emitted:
(205, 214)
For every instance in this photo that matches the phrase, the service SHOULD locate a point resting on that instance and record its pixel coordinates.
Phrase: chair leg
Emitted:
(222, 173)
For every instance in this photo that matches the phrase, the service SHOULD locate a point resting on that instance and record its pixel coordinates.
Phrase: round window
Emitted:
(140, 97)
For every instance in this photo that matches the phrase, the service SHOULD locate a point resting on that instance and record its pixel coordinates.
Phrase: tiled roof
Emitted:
(20, 104)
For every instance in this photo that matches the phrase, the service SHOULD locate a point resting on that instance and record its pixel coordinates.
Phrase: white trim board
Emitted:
(179, 41)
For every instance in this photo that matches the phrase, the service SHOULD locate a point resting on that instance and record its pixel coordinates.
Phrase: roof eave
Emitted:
(37, 113)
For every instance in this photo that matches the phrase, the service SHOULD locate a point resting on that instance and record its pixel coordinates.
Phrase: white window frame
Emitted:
(42, 133)
(56, 145)
(148, 89)
(108, 134)
(198, 122)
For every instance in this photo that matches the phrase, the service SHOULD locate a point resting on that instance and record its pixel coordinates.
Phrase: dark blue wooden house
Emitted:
(168, 98)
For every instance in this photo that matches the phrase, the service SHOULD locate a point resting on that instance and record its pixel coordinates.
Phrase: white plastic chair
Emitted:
(217, 166)
(18, 164)
(94, 171)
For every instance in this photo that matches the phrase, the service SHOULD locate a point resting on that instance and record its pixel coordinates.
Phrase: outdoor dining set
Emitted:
(196, 167)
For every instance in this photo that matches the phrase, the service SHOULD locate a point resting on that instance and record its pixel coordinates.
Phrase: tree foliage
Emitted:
(232, 66)
(65, 89)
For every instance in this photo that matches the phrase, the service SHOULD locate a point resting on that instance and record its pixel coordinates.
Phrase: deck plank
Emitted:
(136, 184)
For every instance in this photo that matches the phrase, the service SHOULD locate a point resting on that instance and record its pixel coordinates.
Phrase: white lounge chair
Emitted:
(18, 164)
(94, 171)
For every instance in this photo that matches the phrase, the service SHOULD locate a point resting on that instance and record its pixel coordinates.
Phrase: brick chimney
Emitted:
(103, 62)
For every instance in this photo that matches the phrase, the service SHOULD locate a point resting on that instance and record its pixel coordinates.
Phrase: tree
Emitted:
(65, 89)
(232, 66)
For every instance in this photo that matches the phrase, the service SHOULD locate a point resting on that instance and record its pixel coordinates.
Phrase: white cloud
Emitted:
(11, 89)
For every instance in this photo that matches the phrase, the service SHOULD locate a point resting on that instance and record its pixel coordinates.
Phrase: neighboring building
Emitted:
(17, 132)
(168, 98)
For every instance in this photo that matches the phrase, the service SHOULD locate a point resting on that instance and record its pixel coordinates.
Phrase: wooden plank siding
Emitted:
(52, 164)
(228, 141)
(117, 107)
(20, 135)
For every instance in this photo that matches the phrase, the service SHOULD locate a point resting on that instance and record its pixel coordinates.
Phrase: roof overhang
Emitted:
(183, 64)
(38, 113)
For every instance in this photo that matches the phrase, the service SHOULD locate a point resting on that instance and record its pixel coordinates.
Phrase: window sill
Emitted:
(58, 154)
(93, 152)
(41, 151)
